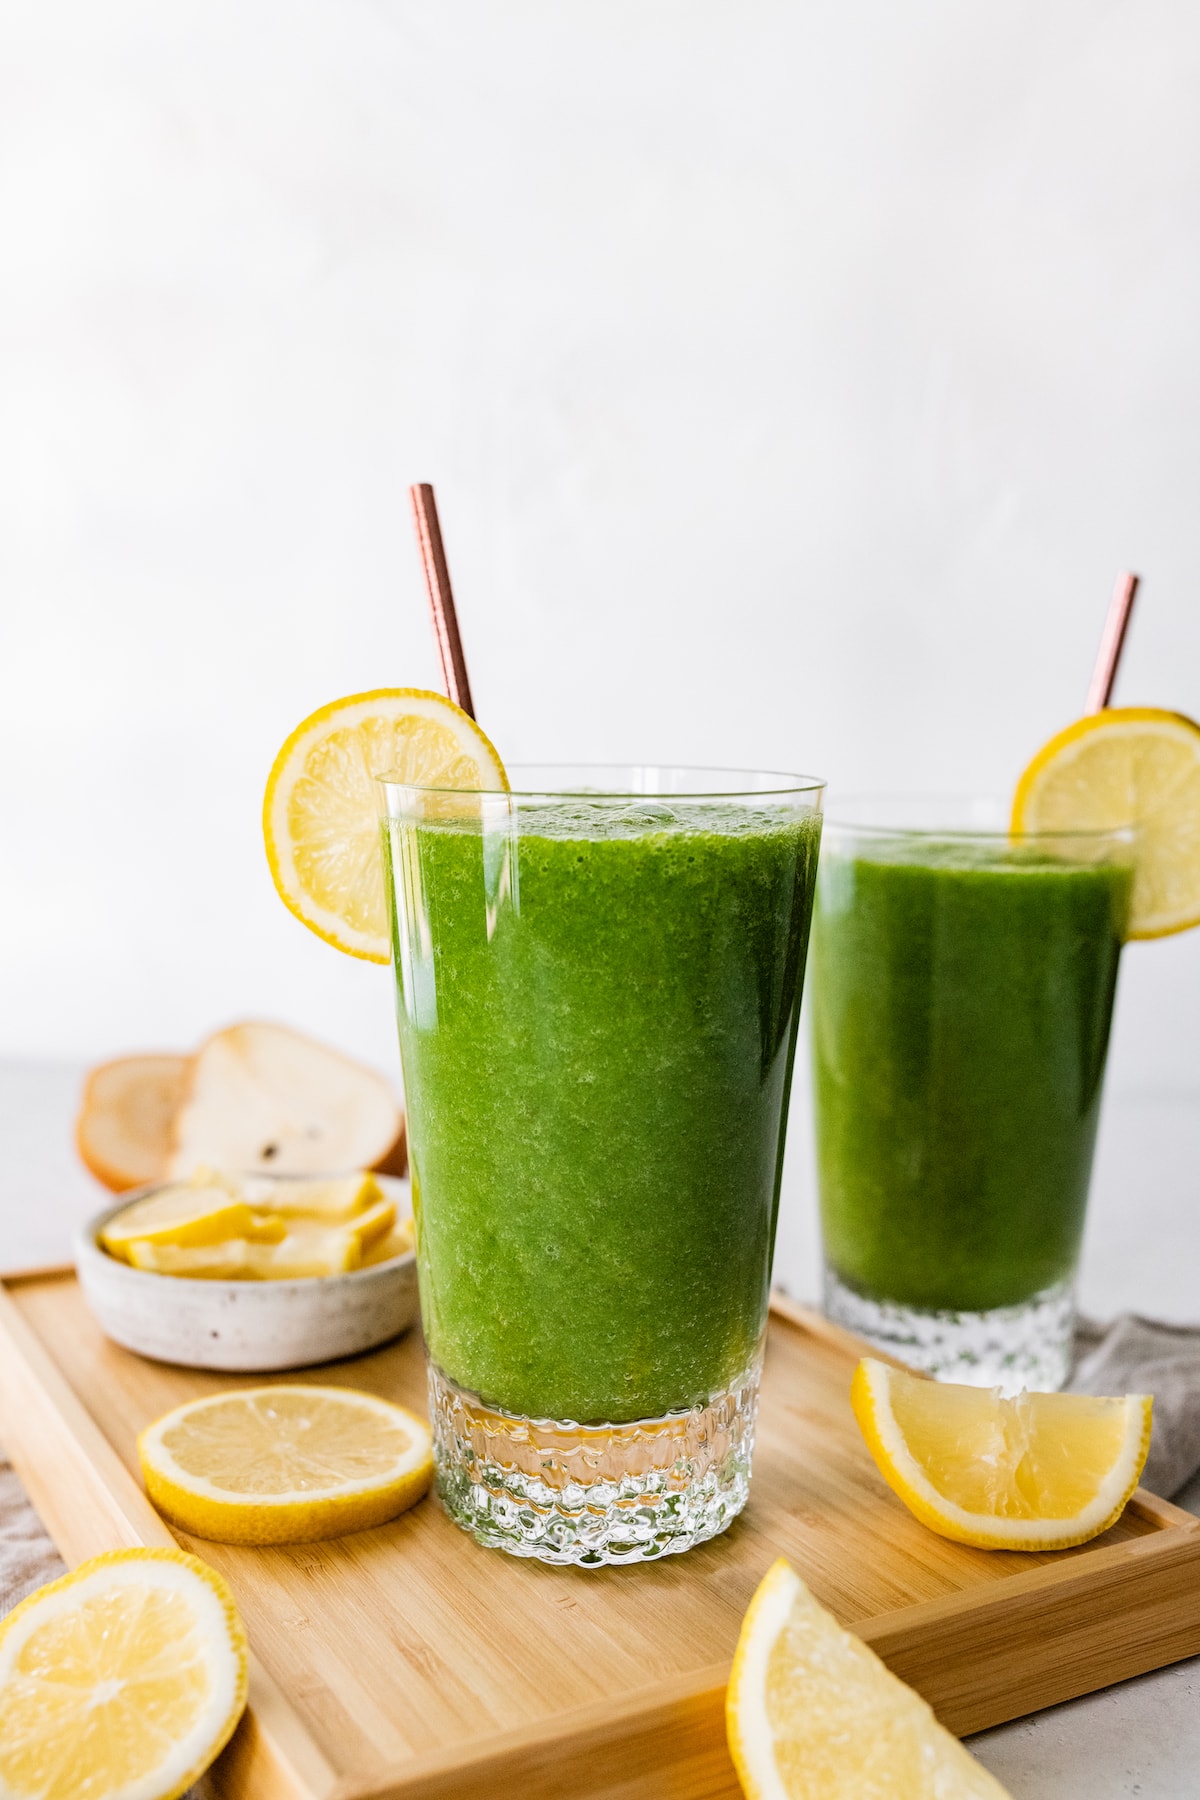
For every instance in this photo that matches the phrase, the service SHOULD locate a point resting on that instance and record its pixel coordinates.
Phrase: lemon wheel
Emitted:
(285, 1464)
(125, 1677)
(320, 817)
(1132, 766)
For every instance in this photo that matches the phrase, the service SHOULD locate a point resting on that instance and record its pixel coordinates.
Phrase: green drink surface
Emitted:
(960, 1017)
(597, 1022)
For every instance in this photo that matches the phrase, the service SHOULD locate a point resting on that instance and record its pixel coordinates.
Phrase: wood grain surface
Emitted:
(408, 1663)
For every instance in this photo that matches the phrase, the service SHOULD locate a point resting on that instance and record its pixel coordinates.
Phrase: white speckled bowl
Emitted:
(245, 1326)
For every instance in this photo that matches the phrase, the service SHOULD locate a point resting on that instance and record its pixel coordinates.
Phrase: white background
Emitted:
(794, 378)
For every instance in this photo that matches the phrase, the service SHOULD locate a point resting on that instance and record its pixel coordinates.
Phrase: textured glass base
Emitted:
(1012, 1347)
(592, 1494)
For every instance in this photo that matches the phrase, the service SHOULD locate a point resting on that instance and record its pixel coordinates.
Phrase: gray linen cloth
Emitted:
(1139, 1356)
(28, 1559)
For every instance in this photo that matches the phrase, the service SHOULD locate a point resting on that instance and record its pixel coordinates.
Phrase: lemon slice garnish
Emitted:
(125, 1677)
(812, 1712)
(320, 817)
(1136, 766)
(285, 1464)
(1037, 1472)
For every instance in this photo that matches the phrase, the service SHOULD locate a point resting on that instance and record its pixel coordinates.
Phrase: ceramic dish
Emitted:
(246, 1326)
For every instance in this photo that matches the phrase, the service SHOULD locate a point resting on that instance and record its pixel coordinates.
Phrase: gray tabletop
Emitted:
(1139, 1738)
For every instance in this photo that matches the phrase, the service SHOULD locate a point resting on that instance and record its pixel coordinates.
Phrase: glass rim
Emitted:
(703, 783)
(841, 819)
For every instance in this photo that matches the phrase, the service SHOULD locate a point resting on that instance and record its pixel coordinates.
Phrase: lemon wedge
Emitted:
(1136, 766)
(813, 1714)
(320, 816)
(285, 1464)
(125, 1677)
(1037, 1472)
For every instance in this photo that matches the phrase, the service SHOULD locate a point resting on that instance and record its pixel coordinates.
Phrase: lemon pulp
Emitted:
(813, 1714)
(1036, 1472)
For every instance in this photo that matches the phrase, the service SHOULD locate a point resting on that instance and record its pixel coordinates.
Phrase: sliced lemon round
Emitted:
(285, 1464)
(811, 1712)
(320, 817)
(1136, 766)
(1037, 1472)
(125, 1677)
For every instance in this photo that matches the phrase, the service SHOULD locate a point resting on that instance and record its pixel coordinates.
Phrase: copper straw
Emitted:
(1112, 643)
(441, 597)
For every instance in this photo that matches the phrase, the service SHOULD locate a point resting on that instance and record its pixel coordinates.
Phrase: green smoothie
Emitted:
(961, 998)
(597, 1007)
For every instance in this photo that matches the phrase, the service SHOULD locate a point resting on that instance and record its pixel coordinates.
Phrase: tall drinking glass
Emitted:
(962, 991)
(598, 983)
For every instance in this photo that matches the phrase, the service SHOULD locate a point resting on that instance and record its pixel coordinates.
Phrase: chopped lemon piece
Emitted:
(1128, 765)
(320, 815)
(332, 1201)
(125, 1677)
(213, 1230)
(813, 1714)
(314, 1249)
(301, 1251)
(285, 1464)
(398, 1242)
(185, 1214)
(375, 1223)
(233, 1260)
(1037, 1472)
(308, 1250)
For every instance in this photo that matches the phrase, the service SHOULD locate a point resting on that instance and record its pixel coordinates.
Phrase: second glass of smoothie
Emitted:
(598, 985)
(962, 992)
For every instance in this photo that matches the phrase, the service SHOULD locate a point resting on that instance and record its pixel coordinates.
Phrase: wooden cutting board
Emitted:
(409, 1664)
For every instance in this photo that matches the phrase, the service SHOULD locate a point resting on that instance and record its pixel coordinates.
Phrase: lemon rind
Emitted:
(12, 1635)
(747, 1726)
(870, 1400)
(310, 1522)
(319, 919)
